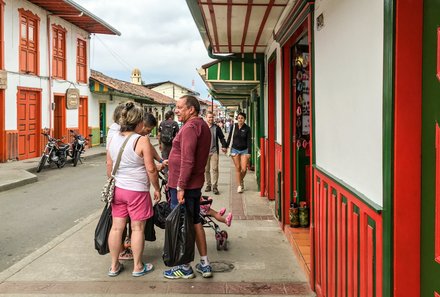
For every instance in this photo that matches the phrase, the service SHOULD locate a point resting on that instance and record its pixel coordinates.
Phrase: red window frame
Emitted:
(58, 52)
(29, 28)
(81, 60)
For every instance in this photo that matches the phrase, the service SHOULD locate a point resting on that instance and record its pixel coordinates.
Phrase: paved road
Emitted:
(35, 214)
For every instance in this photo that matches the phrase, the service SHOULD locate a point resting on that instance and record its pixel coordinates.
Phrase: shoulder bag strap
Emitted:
(232, 135)
(118, 160)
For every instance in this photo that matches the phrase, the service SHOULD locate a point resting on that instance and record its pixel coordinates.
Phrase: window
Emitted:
(81, 61)
(29, 24)
(59, 52)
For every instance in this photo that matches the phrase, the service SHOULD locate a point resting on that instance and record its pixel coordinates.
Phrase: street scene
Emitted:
(270, 147)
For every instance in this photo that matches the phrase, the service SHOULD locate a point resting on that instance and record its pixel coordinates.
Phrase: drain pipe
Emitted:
(49, 71)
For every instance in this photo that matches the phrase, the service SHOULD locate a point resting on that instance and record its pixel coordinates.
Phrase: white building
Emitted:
(44, 52)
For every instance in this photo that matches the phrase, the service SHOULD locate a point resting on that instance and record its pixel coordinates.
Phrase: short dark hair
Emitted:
(241, 114)
(149, 119)
(169, 115)
(192, 101)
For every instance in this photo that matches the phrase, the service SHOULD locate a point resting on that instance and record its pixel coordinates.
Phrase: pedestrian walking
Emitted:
(186, 163)
(133, 177)
(241, 149)
(168, 129)
(212, 163)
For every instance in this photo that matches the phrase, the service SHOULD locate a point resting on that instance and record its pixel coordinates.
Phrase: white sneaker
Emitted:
(239, 189)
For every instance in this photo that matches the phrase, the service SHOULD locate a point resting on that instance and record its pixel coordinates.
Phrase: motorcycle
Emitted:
(77, 146)
(55, 151)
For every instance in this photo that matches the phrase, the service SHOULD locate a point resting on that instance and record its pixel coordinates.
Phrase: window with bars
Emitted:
(29, 31)
(58, 52)
(81, 61)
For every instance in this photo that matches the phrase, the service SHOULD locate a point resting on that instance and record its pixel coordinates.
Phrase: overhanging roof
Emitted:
(77, 15)
(230, 82)
(236, 26)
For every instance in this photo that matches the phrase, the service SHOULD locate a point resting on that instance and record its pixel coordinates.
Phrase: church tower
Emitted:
(136, 77)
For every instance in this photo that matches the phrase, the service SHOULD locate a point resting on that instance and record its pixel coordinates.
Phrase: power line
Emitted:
(116, 56)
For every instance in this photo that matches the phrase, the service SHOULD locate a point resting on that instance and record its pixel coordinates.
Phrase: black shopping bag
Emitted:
(103, 229)
(149, 232)
(161, 212)
(179, 238)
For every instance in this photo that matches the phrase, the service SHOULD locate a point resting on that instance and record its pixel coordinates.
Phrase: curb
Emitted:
(19, 183)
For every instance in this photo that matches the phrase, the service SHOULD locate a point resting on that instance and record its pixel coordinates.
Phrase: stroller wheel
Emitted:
(224, 234)
(225, 245)
(219, 243)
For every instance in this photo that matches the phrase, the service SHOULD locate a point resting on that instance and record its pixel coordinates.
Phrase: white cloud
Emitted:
(158, 36)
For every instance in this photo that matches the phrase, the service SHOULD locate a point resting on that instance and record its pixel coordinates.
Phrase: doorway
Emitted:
(102, 123)
(59, 117)
(28, 122)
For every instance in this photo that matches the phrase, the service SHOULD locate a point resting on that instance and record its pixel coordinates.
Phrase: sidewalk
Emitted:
(259, 260)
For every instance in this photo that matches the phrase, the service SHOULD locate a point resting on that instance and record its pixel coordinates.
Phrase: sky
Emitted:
(159, 37)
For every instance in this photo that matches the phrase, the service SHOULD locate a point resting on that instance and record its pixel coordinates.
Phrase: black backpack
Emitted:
(167, 132)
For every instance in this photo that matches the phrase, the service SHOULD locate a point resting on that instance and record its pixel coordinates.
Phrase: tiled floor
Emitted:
(300, 241)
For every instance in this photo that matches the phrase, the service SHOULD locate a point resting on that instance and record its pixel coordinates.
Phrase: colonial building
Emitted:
(171, 89)
(44, 62)
(344, 112)
(108, 92)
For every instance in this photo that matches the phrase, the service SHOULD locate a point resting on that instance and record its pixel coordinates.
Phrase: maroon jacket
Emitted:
(189, 154)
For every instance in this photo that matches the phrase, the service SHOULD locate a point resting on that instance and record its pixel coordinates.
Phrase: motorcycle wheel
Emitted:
(42, 162)
(76, 156)
(61, 163)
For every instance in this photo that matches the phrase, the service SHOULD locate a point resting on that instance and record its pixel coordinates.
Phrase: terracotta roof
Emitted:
(77, 15)
(130, 88)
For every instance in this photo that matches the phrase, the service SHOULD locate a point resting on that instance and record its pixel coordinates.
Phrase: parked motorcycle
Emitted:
(77, 147)
(55, 152)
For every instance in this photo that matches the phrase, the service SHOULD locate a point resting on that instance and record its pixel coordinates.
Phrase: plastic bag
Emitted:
(149, 232)
(179, 238)
(161, 212)
(103, 229)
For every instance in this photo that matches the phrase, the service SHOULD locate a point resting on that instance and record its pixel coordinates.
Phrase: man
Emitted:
(186, 164)
(166, 133)
(212, 163)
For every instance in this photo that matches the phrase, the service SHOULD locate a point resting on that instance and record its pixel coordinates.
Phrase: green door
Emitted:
(430, 254)
(102, 122)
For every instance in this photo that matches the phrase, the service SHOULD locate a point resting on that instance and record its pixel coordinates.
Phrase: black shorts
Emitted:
(192, 202)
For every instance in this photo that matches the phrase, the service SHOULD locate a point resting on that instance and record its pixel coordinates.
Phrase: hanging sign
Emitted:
(72, 98)
(3, 79)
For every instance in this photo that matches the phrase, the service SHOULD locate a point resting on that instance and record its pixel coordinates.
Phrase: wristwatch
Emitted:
(179, 189)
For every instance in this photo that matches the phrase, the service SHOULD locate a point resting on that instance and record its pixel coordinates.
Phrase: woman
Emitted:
(240, 149)
(132, 188)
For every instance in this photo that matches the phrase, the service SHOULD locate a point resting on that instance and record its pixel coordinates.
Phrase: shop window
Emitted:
(58, 52)
(81, 61)
(29, 35)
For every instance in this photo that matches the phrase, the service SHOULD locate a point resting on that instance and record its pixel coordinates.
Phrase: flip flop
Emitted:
(117, 272)
(147, 268)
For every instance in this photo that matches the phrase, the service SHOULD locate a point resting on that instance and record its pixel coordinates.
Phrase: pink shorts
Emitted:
(133, 204)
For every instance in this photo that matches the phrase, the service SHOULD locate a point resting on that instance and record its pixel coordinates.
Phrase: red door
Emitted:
(28, 114)
(82, 116)
(59, 117)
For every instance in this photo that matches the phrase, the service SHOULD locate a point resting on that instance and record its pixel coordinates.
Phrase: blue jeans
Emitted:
(192, 202)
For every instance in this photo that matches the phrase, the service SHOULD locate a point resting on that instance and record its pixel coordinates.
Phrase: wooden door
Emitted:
(430, 230)
(59, 117)
(28, 114)
(83, 116)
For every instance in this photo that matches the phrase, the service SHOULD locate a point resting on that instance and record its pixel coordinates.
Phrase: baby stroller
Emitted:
(221, 236)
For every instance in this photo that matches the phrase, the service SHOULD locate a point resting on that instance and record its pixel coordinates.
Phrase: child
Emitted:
(205, 209)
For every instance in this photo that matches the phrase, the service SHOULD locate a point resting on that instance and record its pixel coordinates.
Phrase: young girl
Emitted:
(205, 209)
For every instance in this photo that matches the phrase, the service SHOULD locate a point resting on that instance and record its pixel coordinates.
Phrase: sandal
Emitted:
(222, 211)
(127, 254)
(147, 268)
(117, 272)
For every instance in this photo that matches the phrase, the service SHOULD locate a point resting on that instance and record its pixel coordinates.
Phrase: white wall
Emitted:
(15, 79)
(167, 89)
(348, 93)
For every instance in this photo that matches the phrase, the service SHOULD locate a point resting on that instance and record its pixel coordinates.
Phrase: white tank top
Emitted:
(131, 174)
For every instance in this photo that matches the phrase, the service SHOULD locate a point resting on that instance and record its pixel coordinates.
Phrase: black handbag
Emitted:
(149, 232)
(103, 229)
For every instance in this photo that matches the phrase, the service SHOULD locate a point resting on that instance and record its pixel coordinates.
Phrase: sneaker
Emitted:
(229, 219)
(242, 185)
(179, 272)
(239, 189)
(206, 271)
(208, 189)
(215, 190)
(222, 211)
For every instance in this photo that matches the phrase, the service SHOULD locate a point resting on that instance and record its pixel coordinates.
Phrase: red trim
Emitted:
(214, 24)
(2, 127)
(246, 23)
(438, 53)
(241, 4)
(263, 169)
(263, 22)
(407, 162)
(437, 194)
(229, 17)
